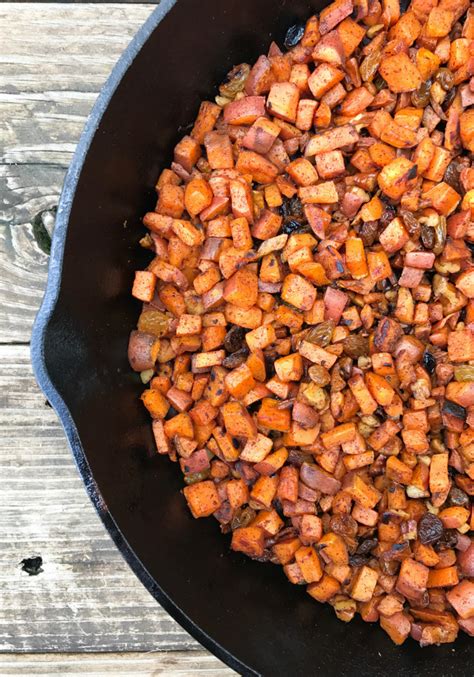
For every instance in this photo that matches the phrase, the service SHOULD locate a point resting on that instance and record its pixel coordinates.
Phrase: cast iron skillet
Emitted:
(243, 611)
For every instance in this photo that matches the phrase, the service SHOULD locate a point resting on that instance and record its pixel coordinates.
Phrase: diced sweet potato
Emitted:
(244, 111)
(282, 101)
(324, 589)
(323, 78)
(249, 540)
(397, 177)
(461, 597)
(397, 626)
(400, 74)
(238, 421)
(205, 121)
(363, 584)
(219, 150)
(261, 136)
(202, 498)
(412, 579)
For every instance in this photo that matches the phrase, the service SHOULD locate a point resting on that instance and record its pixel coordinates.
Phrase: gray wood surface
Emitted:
(55, 58)
(178, 664)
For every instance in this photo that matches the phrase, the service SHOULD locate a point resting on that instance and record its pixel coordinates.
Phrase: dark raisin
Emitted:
(430, 529)
(285, 210)
(458, 497)
(356, 345)
(429, 362)
(451, 176)
(411, 223)
(448, 540)
(269, 366)
(427, 236)
(298, 457)
(293, 226)
(235, 359)
(357, 560)
(367, 546)
(368, 232)
(421, 97)
(454, 409)
(294, 35)
(388, 215)
(445, 78)
(234, 339)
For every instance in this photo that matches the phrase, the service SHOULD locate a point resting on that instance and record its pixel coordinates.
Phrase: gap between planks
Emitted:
(86, 598)
(177, 664)
(54, 63)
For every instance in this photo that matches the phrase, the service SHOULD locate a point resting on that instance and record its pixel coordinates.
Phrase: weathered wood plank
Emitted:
(176, 664)
(27, 190)
(46, 93)
(62, 46)
(86, 598)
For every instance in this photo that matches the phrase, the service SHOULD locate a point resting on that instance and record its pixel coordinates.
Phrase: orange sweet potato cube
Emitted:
(205, 121)
(330, 164)
(187, 152)
(302, 172)
(244, 111)
(439, 22)
(241, 289)
(260, 168)
(363, 584)
(249, 540)
(202, 498)
(412, 578)
(309, 564)
(324, 589)
(267, 225)
(268, 520)
(144, 285)
(400, 73)
(270, 416)
(397, 626)
(289, 368)
(239, 381)
(219, 150)
(261, 136)
(394, 237)
(238, 421)
(324, 78)
(397, 177)
(285, 550)
(237, 493)
(256, 449)
(264, 490)
(170, 201)
(261, 337)
(156, 403)
(298, 292)
(282, 101)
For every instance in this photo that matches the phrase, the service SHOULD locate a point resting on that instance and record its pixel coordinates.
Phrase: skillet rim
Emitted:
(42, 321)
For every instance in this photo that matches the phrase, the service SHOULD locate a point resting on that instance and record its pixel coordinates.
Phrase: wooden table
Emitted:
(85, 613)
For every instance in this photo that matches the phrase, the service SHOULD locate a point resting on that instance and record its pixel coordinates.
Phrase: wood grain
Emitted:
(87, 598)
(178, 664)
(54, 63)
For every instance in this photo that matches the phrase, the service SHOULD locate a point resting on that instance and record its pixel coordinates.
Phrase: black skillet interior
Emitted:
(244, 611)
